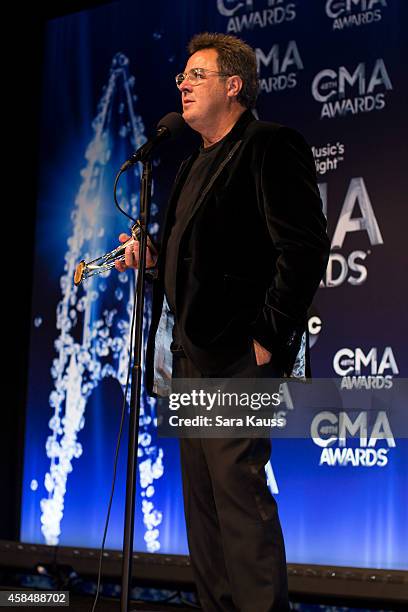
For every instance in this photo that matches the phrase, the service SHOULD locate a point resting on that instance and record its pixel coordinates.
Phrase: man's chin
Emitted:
(188, 117)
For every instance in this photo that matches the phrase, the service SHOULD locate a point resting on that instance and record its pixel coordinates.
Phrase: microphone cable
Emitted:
(118, 206)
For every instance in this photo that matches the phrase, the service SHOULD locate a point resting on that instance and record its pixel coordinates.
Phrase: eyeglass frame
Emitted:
(203, 71)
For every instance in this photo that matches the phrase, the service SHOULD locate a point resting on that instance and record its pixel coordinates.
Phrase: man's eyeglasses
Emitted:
(195, 75)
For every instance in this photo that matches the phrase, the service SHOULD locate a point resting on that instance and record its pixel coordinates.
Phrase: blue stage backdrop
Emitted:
(335, 70)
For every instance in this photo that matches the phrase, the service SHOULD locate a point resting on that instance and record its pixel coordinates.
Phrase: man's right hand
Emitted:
(132, 255)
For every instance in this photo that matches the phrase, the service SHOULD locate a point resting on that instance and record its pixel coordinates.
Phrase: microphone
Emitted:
(170, 126)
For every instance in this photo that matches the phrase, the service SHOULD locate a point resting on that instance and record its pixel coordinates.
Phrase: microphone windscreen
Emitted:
(173, 122)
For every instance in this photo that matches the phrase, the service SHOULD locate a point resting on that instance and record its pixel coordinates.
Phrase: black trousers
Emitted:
(234, 534)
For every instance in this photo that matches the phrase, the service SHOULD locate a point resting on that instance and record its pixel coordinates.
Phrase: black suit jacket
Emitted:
(252, 253)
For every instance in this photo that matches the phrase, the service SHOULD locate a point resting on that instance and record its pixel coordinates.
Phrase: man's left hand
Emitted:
(262, 355)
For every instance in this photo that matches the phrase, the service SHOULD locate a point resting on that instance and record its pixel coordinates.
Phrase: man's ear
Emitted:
(234, 85)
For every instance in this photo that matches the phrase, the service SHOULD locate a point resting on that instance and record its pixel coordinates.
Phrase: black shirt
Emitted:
(202, 169)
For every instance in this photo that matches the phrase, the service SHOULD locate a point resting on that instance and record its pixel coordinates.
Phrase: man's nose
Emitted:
(185, 86)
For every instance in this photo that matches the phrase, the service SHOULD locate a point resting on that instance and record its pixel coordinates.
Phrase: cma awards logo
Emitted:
(250, 14)
(351, 268)
(278, 66)
(349, 13)
(365, 370)
(333, 433)
(345, 91)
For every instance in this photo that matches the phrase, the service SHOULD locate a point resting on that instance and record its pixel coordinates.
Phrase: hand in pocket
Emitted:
(262, 355)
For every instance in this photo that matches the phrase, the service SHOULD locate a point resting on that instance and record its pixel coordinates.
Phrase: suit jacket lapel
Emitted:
(178, 182)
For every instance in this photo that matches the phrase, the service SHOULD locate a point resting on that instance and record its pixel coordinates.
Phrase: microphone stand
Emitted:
(136, 386)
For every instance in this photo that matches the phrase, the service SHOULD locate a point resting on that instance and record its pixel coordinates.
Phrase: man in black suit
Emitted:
(243, 250)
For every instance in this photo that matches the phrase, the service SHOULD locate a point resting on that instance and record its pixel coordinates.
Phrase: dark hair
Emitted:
(234, 57)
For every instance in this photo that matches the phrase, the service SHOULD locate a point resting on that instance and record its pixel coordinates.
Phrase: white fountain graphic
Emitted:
(93, 319)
